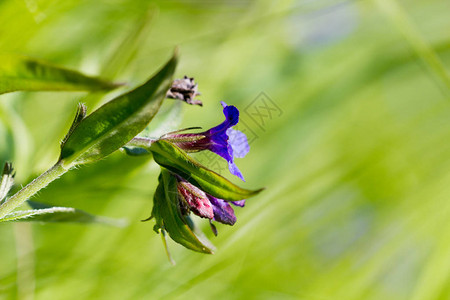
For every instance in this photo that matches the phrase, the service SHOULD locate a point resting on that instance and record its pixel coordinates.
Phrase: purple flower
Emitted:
(222, 140)
(223, 212)
(192, 199)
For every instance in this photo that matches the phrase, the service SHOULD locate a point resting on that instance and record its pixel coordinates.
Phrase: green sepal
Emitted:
(79, 116)
(167, 214)
(21, 73)
(173, 158)
(118, 121)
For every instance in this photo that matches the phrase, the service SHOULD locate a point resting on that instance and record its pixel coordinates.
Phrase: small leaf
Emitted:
(79, 116)
(118, 121)
(168, 217)
(7, 180)
(176, 160)
(21, 73)
(44, 213)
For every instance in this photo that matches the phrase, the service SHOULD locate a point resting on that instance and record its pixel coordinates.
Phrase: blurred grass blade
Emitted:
(7, 180)
(168, 216)
(176, 160)
(129, 47)
(425, 51)
(44, 213)
(21, 73)
(118, 121)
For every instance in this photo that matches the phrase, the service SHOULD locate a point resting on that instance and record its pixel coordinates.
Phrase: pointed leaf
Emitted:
(176, 160)
(167, 214)
(44, 213)
(21, 73)
(118, 121)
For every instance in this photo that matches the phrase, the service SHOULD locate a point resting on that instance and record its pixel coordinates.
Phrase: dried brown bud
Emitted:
(185, 90)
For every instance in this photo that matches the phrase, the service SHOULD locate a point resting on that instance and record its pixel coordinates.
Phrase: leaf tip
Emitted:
(8, 169)
(259, 190)
(176, 51)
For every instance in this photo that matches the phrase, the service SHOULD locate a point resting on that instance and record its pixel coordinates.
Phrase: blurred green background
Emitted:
(350, 137)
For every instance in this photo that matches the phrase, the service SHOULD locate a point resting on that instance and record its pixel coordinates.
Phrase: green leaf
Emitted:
(7, 180)
(21, 73)
(118, 121)
(176, 160)
(44, 213)
(168, 217)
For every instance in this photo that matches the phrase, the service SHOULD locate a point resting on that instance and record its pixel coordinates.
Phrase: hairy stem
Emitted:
(32, 188)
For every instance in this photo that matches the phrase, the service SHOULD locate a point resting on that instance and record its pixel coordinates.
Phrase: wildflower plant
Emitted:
(185, 187)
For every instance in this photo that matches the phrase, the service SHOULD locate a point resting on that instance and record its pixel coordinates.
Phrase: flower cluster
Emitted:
(221, 140)
(185, 186)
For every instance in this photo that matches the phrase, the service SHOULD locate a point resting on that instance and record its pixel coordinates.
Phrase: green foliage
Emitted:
(171, 157)
(20, 73)
(118, 121)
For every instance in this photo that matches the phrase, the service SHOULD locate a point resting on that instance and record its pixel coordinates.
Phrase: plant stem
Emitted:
(141, 142)
(32, 188)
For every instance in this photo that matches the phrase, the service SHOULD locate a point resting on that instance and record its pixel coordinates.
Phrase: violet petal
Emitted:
(238, 141)
(223, 212)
